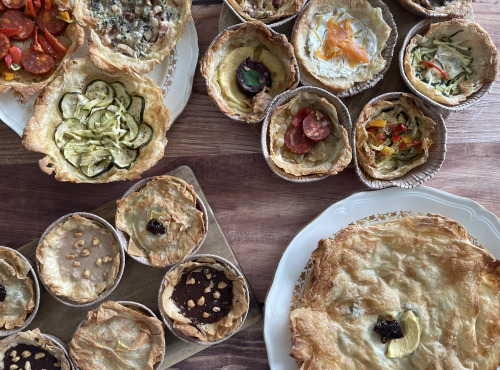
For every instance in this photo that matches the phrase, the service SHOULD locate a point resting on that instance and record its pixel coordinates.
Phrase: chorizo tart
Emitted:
(305, 137)
(95, 126)
(393, 137)
(116, 337)
(451, 61)
(438, 8)
(36, 44)
(266, 11)
(408, 293)
(245, 67)
(339, 43)
(132, 36)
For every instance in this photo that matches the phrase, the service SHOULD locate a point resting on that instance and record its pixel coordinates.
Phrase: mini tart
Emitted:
(178, 227)
(132, 36)
(266, 11)
(204, 299)
(327, 157)
(395, 153)
(229, 50)
(117, 337)
(333, 70)
(39, 134)
(434, 8)
(451, 61)
(78, 259)
(18, 345)
(17, 290)
(26, 83)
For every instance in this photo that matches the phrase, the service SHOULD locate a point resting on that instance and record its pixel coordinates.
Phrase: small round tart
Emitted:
(17, 290)
(329, 151)
(451, 61)
(162, 221)
(117, 337)
(266, 11)
(98, 127)
(132, 36)
(438, 8)
(78, 259)
(392, 137)
(31, 350)
(245, 67)
(339, 43)
(205, 300)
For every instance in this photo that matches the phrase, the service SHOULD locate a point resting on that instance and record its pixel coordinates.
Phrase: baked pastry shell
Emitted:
(120, 241)
(342, 114)
(170, 323)
(421, 173)
(422, 28)
(123, 236)
(455, 10)
(270, 24)
(32, 314)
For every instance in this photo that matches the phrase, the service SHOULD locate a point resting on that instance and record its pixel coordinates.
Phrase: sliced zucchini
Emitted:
(100, 93)
(136, 108)
(63, 131)
(402, 117)
(72, 156)
(143, 137)
(96, 162)
(129, 124)
(123, 157)
(385, 110)
(70, 105)
(121, 94)
(98, 118)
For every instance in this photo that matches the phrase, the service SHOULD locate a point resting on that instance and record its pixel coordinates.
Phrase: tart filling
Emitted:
(453, 8)
(266, 11)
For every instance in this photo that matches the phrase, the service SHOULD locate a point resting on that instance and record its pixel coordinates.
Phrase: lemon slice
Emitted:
(403, 346)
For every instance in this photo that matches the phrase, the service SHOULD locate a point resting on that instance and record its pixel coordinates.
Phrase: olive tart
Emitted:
(98, 127)
(438, 8)
(305, 137)
(17, 290)
(246, 67)
(451, 61)
(132, 36)
(116, 337)
(413, 292)
(393, 137)
(162, 221)
(266, 11)
(339, 43)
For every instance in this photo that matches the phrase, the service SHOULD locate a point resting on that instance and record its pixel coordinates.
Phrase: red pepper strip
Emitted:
(2, 7)
(399, 129)
(432, 65)
(395, 138)
(29, 10)
(48, 5)
(10, 31)
(373, 129)
(8, 61)
(38, 3)
(56, 44)
(380, 137)
(300, 115)
(47, 48)
(36, 44)
(16, 54)
(406, 145)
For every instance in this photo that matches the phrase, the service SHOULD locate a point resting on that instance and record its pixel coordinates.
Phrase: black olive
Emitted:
(3, 293)
(155, 227)
(389, 330)
(252, 77)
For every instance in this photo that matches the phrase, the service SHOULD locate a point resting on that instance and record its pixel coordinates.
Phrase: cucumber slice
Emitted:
(123, 157)
(62, 133)
(96, 162)
(130, 124)
(99, 92)
(70, 105)
(143, 137)
(136, 108)
(121, 94)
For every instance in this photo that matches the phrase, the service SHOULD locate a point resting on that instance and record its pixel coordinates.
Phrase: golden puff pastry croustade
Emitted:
(245, 67)
(266, 11)
(438, 8)
(417, 274)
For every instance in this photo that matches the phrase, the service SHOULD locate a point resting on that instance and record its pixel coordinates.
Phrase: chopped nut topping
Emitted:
(13, 354)
(201, 301)
(85, 252)
(15, 359)
(107, 259)
(190, 281)
(209, 276)
(39, 355)
(98, 262)
(207, 290)
(216, 309)
(27, 365)
(71, 256)
(86, 274)
(191, 303)
(205, 315)
(13, 367)
(26, 354)
(78, 234)
(216, 295)
(76, 263)
(57, 364)
(95, 241)
(78, 243)
(221, 285)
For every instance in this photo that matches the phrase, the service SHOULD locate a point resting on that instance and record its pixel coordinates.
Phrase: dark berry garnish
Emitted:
(388, 330)
(3, 293)
(252, 77)
(155, 227)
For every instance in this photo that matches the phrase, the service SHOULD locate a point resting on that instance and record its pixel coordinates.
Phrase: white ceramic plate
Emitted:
(482, 225)
(174, 75)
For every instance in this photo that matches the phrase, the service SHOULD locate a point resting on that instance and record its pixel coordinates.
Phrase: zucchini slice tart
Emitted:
(266, 11)
(96, 126)
(438, 8)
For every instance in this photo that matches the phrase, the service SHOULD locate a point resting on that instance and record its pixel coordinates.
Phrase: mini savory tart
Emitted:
(339, 43)
(204, 299)
(37, 38)
(393, 137)
(31, 350)
(98, 127)
(162, 221)
(79, 259)
(116, 337)
(17, 290)
(452, 8)
(246, 67)
(413, 292)
(305, 137)
(266, 11)
(132, 35)
(451, 61)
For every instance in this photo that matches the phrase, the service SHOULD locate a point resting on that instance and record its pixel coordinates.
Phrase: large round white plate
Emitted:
(174, 75)
(482, 225)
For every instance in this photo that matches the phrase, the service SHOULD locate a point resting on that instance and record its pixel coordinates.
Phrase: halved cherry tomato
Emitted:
(47, 48)
(8, 61)
(29, 10)
(10, 31)
(406, 145)
(38, 3)
(56, 44)
(48, 5)
(432, 65)
(300, 115)
(16, 54)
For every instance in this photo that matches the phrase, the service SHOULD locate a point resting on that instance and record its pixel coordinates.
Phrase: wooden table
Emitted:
(259, 212)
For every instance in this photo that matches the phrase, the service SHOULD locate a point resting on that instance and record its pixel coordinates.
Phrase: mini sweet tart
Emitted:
(17, 290)
(393, 137)
(305, 137)
(96, 126)
(204, 299)
(162, 221)
(31, 350)
(266, 11)
(246, 67)
(413, 292)
(451, 61)
(132, 36)
(78, 259)
(452, 8)
(116, 337)
(339, 43)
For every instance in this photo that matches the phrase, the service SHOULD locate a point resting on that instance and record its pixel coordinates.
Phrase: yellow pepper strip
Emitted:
(9, 76)
(317, 35)
(319, 22)
(387, 151)
(406, 139)
(378, 122)
(65, 16)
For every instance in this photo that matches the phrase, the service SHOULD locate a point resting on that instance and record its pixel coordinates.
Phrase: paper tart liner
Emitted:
(32, 314)
(59, 342)
(387, 54)
(121, 244)
(422, 28)
(419, 174)
(342, 114)
(418, 10)
(169, 322)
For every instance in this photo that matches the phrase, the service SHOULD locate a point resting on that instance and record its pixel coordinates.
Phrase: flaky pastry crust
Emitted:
(266, 11)
(453, 8)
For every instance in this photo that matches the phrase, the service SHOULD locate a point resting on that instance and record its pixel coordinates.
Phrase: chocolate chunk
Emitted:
(155, 227)
(252, 77)
(388, 330)
(3, 292)
(36, 360)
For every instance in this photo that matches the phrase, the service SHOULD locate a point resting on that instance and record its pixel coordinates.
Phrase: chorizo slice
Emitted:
(47, 20)
(317, 126)
(17, 19)
(296, 141)
(14, 4)
(36, 62)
